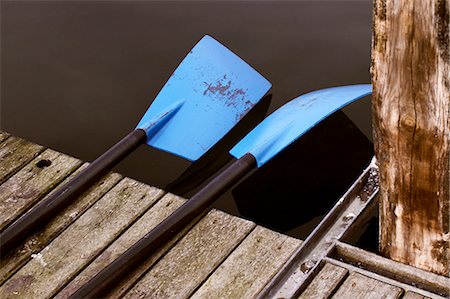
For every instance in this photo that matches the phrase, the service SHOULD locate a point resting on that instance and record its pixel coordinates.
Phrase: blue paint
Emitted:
(295, 118)
(209, 92)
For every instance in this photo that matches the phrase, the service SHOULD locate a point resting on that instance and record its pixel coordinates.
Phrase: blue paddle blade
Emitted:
(209, 92)
(292, 120)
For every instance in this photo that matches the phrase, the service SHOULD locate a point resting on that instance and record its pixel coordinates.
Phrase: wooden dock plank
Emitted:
(35, 243)
(393, 269)
(412, 295)
(14, 153)
(82, 241)
(29, 184)
(325, 282)
(192, 260)
(220, 256)
(360, 286)
(248, 269)
(3, 136)
(149, 220)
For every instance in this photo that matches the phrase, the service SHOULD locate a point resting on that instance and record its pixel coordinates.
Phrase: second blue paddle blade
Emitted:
(209, 92)
(292, 120)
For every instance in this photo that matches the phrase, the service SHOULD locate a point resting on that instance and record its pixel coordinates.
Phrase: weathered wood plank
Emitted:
(3, 136)
(411, 121)
(360, 286)
(412, 295)
(197, 254)
(149, 220)
(81, 242)
(35, 243)
(395, 270)
(390, 281)
(14, 153)
(325, 282)
(33, 181)
(245, 272)
(126, 284)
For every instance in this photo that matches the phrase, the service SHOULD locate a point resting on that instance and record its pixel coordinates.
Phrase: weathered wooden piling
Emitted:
(411, 109)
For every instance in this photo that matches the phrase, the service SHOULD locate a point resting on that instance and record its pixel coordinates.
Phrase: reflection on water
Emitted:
(214, 159)
(307, 178)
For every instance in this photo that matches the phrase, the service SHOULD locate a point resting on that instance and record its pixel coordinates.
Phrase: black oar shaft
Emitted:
(46, 209)
(106, 279)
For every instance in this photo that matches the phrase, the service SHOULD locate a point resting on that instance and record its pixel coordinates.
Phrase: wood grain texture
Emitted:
(192, 260)
(325, 282)
(395, 270)
(3, 136)
(149, 220)
(82, 242)
(246, 271)
(14, 153)
(37, 178)
(35, 243)
(411, 119)
(412, 295)
(360, 286)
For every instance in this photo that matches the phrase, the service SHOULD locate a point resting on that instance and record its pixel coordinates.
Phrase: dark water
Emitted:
(77, 76)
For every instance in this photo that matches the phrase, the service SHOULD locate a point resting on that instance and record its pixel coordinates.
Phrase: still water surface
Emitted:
(77, 76)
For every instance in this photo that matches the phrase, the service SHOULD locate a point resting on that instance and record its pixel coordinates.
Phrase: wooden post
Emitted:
(411, 109)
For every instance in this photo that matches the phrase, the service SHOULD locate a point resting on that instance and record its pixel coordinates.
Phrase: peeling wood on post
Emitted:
(250, 266)
(35, 243)
(81, 242)
(411, 114)
(194, 258)
(26, 187)
(360, 286)
(325, 282)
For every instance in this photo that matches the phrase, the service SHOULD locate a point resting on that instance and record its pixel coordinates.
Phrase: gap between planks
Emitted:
(23, 275)
(93, 231)
(15, 152)
(39, 240)
(26, 187)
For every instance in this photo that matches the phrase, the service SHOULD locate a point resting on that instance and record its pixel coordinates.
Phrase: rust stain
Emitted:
(218, 87)
(248, 107)
(232, 97)
(223, 88)
(234, 93)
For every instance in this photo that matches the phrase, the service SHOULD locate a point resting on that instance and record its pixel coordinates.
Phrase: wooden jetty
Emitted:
(216, 256)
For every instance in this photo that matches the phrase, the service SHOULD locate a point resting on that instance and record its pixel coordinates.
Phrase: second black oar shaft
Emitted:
(106, 279)
(48, 208)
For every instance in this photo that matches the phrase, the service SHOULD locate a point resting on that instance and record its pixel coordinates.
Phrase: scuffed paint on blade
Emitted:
(216, 87)
(292, 120)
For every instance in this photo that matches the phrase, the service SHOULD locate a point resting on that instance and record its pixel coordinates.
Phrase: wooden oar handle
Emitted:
(106, 279)
(63, 196)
